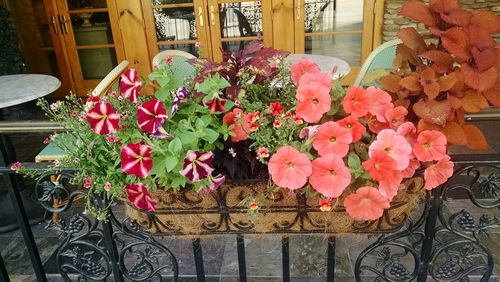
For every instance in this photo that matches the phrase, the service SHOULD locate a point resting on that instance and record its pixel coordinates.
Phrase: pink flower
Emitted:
(297, 120)
(197, 165)
(253, 206)
(240, 126)
(289, 168)
(301, 67)
(74, 113)
(354, 126)
(215, 182)
(103, 119)
(262, 153)
(216, 105)
(438, 173)
(111, 138)
(357, 101)
(396, 116)
(308, 132)
(408, 131)
(15, 166)
(380, 166)
(169, 60)
(394, 146)
(139, 196)
(317, 77)
(410, 170)
(87, 183)
(314, 101)
(329, 176)
(389, 187)
(380, 103)
(276, 108)
(430, 146)
(136, 160)
(332, 139)
(151, 115)
(325, 205)
(46, 140)
(277, 123)
(366, 204)
(107, 186)
(130, 85)
(374, 125)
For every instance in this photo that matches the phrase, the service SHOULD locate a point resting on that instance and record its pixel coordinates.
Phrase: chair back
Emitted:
(179, 61)
(110, 79)
(380, 58)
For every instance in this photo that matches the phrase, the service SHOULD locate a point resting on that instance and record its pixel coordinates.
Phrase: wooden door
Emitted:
(92, 39)
(337, 28)
(235, 23)
(177, 24)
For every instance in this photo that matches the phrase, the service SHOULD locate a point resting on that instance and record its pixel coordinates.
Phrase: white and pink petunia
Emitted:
(136, 159)
(103, 119)
(151, 115)
(197, 165)
(138, 195)
(215, 181)
(130, 85)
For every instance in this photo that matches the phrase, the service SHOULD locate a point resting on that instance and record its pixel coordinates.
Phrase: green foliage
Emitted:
(11, 59)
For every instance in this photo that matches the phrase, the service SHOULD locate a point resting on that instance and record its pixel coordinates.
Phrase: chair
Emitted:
(179, 61)
(380, 58)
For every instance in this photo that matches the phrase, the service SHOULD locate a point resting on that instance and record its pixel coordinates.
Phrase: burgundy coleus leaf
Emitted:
(138, 195)
(197, 165)
(136, 160)
(103, 119)
(432, 111)
(216, 105)
(151, 115)
(130, 85)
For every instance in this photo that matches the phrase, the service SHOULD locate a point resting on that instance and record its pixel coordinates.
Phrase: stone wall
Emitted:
(393, 22)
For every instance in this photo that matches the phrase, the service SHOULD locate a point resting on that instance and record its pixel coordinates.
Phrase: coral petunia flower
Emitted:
(103, 119)
(216, 105)
(354, 126)
(366, 204)
(389, 187)
(136, 160)
(130, 85)
(396, 116)
(314, 101)
(151, 115)
(380, 102)
(380, 166)
(241, 126)
(332, 138)
(289, 168)
(357, 101)
(374, 125)
(301, 67)
(438, 173)
(329, 176)
(139, 196)
(412, 167)
(395, 146)
(430, 146)
(276, 109)
(318, 77)
(197, 165)
(408, 131)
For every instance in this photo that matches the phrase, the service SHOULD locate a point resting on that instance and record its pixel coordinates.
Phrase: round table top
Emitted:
(20, 88)
(325, 63)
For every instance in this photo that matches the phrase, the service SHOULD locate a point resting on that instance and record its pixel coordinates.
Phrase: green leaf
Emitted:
(210, 135)
(159, 163)
(212, 84)
(187, 137)
(354, 161)
(175, 145)
(171, 162)
(163, 94)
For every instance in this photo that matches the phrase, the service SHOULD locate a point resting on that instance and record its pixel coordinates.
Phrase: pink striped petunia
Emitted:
(197, 165)
(103, 119)
(136, 159)
(130, 85)
(151, 115)
(138, 195)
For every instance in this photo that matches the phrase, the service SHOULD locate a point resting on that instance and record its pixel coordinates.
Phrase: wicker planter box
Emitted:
(189, 213)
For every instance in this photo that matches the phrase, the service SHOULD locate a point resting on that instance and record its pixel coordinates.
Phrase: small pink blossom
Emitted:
(277, 123)
(262, 153)
(169, 60)
(88, 182)
(15, 166)
(107, 186)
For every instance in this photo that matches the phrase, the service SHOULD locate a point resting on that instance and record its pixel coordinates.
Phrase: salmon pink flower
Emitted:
(395, 146)
(366, 204)
(216, 105)
(301, 67)
(396, 116)
(329, 176)
(380, 102)
(318, 77)
(277, 123)
(262, 153)
(374, 125)
(276, 108)
(380, 166)
(289, 168)
(430, 146)
(151, 115)
(103, 119)
(332, 139)
(136, 160)
(253, 117)
(408, 131)
(138, 195)
(354, 126)
(308, 132)
(297, 120)
(254, 126)
(314, 101)
(197, 165)
(389, 187)
(412, 167)
(357, 101)
(130, 85)
(241, 126)
(253, 206)
(325, 205)
(438, 173)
